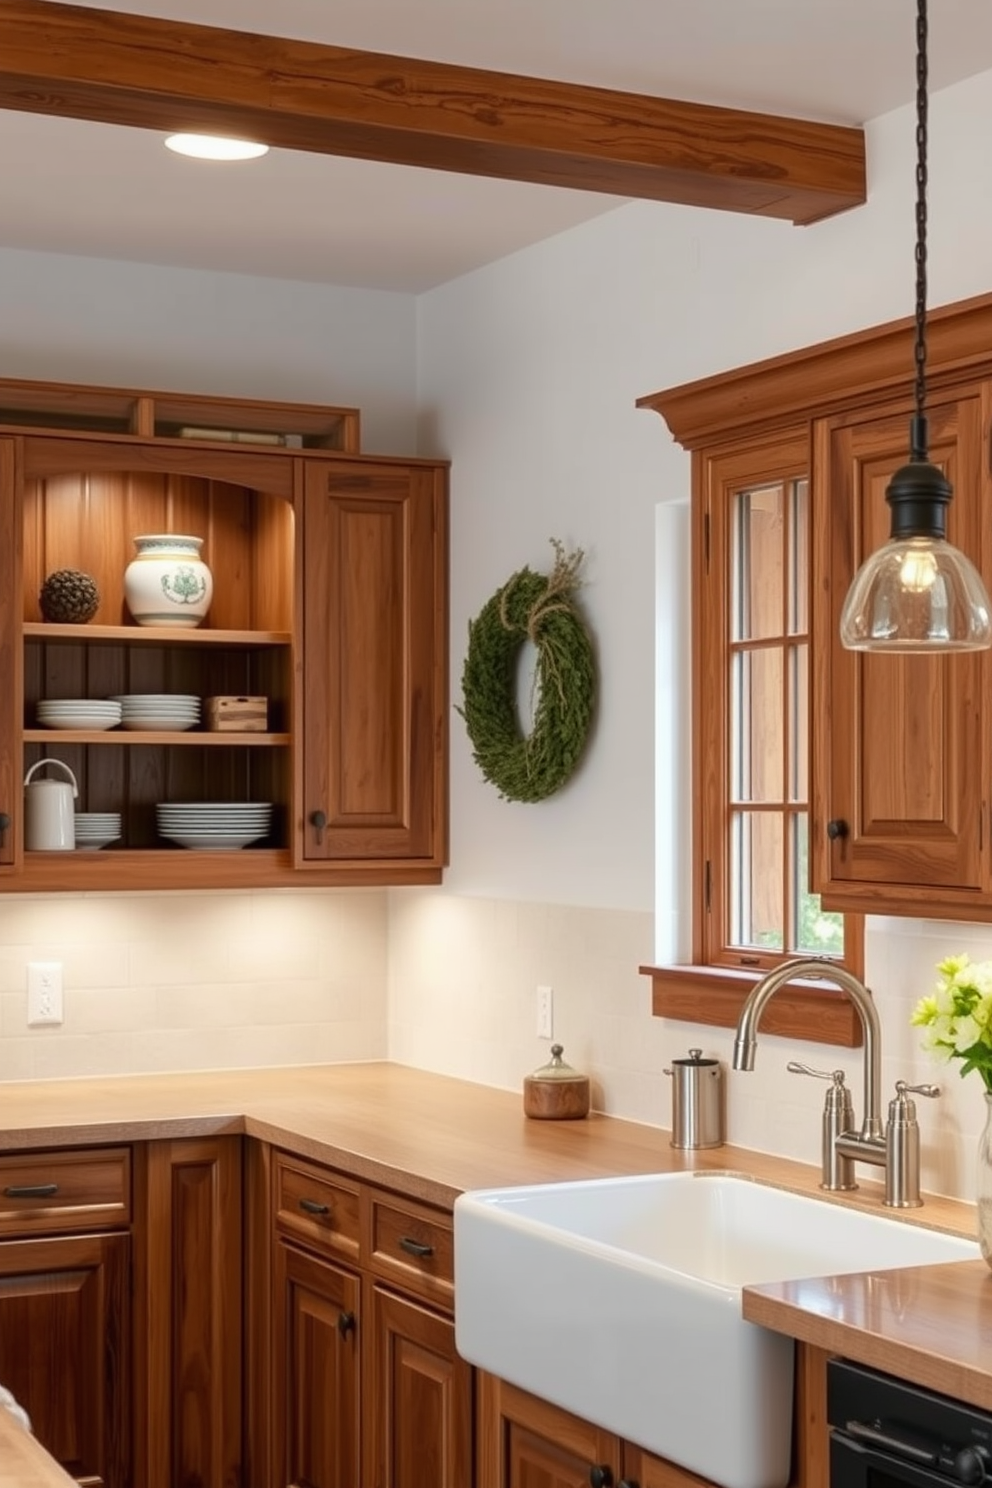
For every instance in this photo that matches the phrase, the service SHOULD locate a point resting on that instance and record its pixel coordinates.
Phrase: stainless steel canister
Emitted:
(697, 1101)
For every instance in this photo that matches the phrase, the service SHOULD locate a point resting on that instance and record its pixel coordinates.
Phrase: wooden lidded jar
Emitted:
(556, 1092)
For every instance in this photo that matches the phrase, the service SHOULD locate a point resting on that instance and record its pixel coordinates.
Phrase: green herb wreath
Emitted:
(540, 609)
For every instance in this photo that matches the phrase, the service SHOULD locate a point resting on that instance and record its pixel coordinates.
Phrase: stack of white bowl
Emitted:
(95, 829)
(214, 826)
(159, 710)
(79, 713)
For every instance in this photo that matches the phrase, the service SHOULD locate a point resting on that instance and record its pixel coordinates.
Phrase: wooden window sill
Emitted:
(812, 1011)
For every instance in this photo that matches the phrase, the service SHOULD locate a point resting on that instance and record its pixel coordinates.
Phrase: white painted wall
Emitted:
(85, 320)
(529, 370)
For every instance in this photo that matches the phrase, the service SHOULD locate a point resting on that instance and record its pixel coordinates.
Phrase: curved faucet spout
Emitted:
(747, 1026)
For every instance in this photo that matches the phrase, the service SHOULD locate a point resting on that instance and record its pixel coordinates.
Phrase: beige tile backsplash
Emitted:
(157, 982)
(195, 981)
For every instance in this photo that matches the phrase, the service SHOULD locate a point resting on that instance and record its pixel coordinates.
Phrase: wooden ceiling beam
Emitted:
(167, 75)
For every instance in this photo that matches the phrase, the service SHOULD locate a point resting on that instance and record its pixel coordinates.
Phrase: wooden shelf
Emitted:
(153, 635)
(194, 738)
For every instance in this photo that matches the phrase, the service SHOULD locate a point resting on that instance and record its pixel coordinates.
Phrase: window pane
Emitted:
(757, 881)
(758, 551)
(798, 716)
(799, 557)
(817, 930)
(757, 719)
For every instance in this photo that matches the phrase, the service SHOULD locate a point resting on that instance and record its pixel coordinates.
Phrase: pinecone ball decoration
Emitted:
(69, 597)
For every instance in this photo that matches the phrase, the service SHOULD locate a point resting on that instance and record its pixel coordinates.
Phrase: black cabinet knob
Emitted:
(600, 1477)
(835, 829)
(4, 823)
(346, 1323)
(318, 820)
(628, 1483)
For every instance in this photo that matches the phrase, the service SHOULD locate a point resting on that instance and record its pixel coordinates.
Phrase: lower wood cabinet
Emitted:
(65, 1304)
(528, 1443)
(188, 1314)
(420, 1396)
(315, 1358)
(366, 1387)
(64, 1348)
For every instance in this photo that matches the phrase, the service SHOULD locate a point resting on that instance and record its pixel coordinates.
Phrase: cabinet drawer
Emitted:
(47, 1193)
(316, 1206)
(412, 1246)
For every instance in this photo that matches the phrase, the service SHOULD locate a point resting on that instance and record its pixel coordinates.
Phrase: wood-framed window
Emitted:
(752, 906)
(820, 421)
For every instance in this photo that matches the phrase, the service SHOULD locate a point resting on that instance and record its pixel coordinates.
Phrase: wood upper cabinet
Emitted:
(374, 680)
(900, 746)
(10, 652)
(902, 772)
(329, 601)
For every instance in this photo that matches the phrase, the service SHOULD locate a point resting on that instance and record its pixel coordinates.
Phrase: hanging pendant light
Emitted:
(917, 592)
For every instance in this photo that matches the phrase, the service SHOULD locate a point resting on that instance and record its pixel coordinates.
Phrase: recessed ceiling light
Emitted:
(215, 147)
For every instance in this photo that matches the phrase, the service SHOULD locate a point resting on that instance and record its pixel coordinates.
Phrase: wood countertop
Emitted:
(432, 1137)
(24, 1463)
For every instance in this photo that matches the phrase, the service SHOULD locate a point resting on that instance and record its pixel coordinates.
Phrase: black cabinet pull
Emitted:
(310, 1206)
(4, 824)
(601, 1477)
(318, 820)
(836, 829)
(346, 1323)
(416, 1248)
(31, 1191)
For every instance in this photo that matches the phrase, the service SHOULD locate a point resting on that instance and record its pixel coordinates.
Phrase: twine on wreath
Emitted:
(541, 609)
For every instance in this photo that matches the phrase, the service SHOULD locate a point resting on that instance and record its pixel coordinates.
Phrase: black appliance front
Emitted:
(885, 1433)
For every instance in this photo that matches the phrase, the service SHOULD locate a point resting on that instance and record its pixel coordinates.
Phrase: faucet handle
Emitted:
(902, 1090)
(795, 1068)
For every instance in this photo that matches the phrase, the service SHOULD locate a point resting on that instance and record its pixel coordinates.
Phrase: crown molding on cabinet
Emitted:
(167, 75)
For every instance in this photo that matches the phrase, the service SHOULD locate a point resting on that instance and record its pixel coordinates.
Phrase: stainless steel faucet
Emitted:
(897, 1149)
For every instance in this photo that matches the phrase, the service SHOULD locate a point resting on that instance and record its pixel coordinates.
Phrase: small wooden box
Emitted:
(236, 715)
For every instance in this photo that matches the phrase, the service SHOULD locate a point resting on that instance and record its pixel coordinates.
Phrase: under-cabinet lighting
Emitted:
(215, 147)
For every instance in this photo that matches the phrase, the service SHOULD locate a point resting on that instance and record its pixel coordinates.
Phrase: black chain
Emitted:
(919, 423)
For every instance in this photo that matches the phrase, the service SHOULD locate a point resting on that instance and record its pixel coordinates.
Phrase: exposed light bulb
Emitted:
(918, 570)
(215, 147)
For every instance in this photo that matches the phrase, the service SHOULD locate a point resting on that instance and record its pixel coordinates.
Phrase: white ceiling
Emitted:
(110, 192)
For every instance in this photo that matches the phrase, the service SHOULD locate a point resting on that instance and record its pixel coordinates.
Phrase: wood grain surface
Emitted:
(24, 1463)
(166, 75)
(430, 1138)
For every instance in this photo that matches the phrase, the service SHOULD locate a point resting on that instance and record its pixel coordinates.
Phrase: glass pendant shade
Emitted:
(917, 592)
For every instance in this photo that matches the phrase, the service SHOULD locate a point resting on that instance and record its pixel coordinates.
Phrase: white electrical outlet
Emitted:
(44, 992)
(545, 1013)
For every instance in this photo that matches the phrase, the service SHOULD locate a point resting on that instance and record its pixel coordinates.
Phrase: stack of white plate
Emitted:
(159, 710)
(214, 826)
(79, 713)
(95, 829)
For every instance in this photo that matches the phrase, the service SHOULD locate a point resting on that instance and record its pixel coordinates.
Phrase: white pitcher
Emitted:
(49, 811)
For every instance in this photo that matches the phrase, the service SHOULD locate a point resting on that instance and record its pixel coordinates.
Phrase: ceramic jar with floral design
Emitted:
(167, 582)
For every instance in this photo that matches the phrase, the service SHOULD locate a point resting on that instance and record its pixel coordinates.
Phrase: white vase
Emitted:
(168, 583)
(983, 1193)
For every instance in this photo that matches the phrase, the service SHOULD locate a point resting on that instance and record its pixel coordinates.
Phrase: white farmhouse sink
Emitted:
(620, 1299)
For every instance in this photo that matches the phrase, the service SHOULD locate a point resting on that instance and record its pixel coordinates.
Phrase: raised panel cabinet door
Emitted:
(524, 1442)
(374, 675)
(315, 1358)
(11, 690)
(188, 1335)
(64, 1349)
(901, 757)
(418, 1411)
